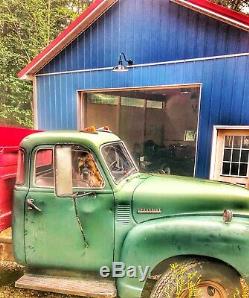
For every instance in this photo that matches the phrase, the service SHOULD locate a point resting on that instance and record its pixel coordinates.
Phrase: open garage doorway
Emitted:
(158, 125)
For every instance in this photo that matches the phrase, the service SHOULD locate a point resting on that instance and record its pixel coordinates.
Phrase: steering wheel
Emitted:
(113, 164)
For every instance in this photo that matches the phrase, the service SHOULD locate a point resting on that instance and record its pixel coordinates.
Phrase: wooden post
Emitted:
(145, 117)
(118, 115)
(84, 109)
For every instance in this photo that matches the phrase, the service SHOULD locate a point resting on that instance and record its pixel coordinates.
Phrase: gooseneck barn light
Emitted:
(121, 67)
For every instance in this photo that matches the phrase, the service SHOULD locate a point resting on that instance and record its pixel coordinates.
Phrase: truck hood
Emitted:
(161, 195)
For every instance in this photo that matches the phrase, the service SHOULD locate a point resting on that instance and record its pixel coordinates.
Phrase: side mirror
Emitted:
(63, 172)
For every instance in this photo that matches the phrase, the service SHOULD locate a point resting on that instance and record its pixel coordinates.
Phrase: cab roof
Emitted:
(90, 140)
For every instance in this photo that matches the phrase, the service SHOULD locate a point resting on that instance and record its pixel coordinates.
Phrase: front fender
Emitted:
(151, 242)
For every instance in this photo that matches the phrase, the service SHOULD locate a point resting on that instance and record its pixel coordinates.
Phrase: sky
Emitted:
(246, 9)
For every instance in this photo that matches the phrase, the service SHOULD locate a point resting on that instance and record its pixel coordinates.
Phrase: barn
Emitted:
(170, 77)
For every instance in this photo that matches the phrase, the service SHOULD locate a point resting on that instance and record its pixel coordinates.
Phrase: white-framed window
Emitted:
(230, 154)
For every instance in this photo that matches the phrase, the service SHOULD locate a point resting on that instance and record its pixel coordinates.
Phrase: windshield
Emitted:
(118, 161)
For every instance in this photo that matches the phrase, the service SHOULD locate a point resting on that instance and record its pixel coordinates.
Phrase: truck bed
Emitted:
(10, 138)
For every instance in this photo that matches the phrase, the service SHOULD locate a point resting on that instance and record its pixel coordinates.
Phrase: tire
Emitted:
(210, 279)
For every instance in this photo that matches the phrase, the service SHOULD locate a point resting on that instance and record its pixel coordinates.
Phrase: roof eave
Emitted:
(212, 14)
(84, 21)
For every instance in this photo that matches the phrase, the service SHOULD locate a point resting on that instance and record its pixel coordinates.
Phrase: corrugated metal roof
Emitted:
(218, 12)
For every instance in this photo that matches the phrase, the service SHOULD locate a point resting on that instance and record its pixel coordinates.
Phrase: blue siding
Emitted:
(225, 94)
(149, 31)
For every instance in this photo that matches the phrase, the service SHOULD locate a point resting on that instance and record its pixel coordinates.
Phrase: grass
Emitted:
(189, 282)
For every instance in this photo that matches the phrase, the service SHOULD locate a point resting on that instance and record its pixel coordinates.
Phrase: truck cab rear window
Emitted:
(44, 168)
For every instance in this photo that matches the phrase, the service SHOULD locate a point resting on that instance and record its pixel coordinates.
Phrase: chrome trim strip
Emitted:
(149, 211)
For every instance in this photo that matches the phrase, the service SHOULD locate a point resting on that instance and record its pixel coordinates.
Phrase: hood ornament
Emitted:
(227, 216)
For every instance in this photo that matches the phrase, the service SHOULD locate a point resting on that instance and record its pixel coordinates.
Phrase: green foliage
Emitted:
(183, 282)
(238, 5)
(245, 290)
(27, 26)
(189, 283)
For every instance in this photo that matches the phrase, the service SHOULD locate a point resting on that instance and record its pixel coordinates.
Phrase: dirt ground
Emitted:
(9, 273)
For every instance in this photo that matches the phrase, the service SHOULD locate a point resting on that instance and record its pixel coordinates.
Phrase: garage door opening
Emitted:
(159, 126)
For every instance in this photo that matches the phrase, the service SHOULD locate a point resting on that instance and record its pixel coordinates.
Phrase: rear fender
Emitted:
(150, 243)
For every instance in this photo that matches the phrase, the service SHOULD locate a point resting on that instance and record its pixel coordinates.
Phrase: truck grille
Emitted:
(123, 214)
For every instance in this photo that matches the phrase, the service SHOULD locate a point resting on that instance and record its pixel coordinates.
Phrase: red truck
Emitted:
(10, 138)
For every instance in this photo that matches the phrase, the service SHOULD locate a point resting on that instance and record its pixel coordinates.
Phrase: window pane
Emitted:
(236, 155)
(20, 177)
(228, 141)
(243, 169)
(226, 168)
(85, 171)
(132, 102)
(234, 169)
(102, 99)
(154, 104)
(244, 156)
(118, 161)
(245, 142)
(237, 142)
(44, 168)
(227, 155)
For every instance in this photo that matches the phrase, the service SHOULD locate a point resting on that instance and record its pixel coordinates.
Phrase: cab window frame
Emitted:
(117, 182)
(35, 152)
(97, 161)
(98, 165)
(25, 167)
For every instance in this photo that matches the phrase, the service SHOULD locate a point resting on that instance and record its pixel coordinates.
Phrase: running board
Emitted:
(87, 287)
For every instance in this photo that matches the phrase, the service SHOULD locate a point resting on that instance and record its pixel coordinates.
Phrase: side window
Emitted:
(44, 168)
(84, 169)
(20, 175)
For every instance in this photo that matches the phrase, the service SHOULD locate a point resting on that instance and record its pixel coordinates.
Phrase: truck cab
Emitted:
(81, 205)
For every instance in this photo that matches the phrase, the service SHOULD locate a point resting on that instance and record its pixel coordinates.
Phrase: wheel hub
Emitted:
(208, 289)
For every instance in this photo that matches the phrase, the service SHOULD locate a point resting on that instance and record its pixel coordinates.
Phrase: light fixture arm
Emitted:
(120, 67)
(129, 61)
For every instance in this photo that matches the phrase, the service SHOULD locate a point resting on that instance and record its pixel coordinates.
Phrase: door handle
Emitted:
(32, 206)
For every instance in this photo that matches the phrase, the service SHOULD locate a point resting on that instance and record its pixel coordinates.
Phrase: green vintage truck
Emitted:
(87, 222)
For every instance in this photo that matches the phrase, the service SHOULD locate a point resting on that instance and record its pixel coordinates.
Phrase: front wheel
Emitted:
(197, 278)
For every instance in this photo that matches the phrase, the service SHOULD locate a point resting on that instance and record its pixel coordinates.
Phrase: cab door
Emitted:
(52, 234)
(94, 204)
(63, 213)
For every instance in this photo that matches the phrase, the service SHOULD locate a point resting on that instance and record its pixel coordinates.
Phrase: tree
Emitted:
(26, 27)
(238, 5)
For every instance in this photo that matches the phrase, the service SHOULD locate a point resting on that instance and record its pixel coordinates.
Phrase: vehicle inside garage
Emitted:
(159, 126)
